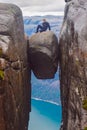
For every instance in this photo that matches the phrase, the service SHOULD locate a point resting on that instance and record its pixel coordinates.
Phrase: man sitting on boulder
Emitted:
(45, 25)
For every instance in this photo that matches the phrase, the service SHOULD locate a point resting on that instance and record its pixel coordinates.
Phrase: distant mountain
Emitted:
(30, 23)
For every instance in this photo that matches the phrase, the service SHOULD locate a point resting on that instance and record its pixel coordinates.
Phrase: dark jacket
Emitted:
(43, 27)
(46, 26)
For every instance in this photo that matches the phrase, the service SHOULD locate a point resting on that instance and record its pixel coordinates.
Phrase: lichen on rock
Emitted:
(85, 128)
(1, 75)
(84, 103)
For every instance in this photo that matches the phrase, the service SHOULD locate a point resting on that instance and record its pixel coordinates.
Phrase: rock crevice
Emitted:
(17, 58)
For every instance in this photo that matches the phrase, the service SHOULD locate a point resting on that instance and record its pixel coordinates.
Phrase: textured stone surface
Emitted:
(73, 65)
(43, 52)
(15, 87)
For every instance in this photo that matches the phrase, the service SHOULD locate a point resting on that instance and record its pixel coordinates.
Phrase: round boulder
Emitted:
(43, 54)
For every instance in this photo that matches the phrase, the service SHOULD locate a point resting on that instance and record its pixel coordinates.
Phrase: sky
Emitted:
(36, 7)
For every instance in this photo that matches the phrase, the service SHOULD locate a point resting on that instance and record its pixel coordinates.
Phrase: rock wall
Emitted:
(43, 54)
(14, 70)
(73, 65)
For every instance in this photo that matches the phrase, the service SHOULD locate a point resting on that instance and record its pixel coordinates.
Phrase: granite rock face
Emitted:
(43, 54)
(14, 71)
(73, 65)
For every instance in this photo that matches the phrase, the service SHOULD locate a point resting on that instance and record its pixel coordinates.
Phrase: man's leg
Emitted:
(39, 28)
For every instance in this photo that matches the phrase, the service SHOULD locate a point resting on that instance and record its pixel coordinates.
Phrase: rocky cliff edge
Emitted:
(14, 70)
(73, 65)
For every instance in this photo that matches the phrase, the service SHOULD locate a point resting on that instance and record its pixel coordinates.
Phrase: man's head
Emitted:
(44, 20)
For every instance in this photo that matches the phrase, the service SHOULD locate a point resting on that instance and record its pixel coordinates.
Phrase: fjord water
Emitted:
(45, 116)
(46, 105)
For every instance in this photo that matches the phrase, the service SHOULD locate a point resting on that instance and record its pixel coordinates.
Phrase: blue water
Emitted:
(45, 116)
(48, 89)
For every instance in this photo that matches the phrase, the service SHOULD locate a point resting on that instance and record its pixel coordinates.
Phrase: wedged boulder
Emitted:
(14, 70)
(43, 54)
(73, 65)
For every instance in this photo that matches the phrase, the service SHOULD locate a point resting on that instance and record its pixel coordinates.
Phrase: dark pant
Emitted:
(40, 28)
